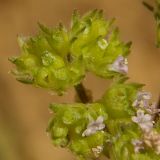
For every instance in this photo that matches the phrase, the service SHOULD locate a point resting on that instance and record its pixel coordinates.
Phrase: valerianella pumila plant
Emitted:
(123, 124)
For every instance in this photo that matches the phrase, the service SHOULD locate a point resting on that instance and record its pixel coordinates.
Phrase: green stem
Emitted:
(157, 117)
(82, 93)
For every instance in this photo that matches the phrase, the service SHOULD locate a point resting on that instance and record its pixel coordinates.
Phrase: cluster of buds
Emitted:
(97, 151)
(152, 140)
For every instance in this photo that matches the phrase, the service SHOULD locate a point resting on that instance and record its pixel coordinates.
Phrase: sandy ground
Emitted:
(23, 109)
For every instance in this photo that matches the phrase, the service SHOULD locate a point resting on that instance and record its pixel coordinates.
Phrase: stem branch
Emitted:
(82, 93)
(148, 6)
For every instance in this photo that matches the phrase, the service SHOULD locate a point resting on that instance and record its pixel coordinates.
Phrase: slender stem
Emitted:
(82, 93)
(159, 102)
(157, 116)
(148, 6)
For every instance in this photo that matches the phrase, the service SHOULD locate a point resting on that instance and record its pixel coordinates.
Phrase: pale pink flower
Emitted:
(94, 126)
(142, 99)
(143, 120)
(119, 65)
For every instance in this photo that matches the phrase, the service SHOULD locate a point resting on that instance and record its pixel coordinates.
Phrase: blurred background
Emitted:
(24, 110)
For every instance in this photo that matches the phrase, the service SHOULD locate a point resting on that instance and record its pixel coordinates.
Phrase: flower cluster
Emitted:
(152, 140)
(79, 127)
(142, 103)
(58, 58)
(146, 121)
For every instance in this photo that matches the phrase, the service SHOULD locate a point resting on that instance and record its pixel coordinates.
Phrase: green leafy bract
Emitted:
(118, 99)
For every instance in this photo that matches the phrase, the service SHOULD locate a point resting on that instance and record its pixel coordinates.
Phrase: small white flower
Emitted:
(138, 145)
(96, 151)
(94, 126)
(143, 120)
(119, 65)
(142, 99)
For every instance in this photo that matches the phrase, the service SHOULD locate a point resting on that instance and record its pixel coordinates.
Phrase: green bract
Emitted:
(58, 58)
(118, 99)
